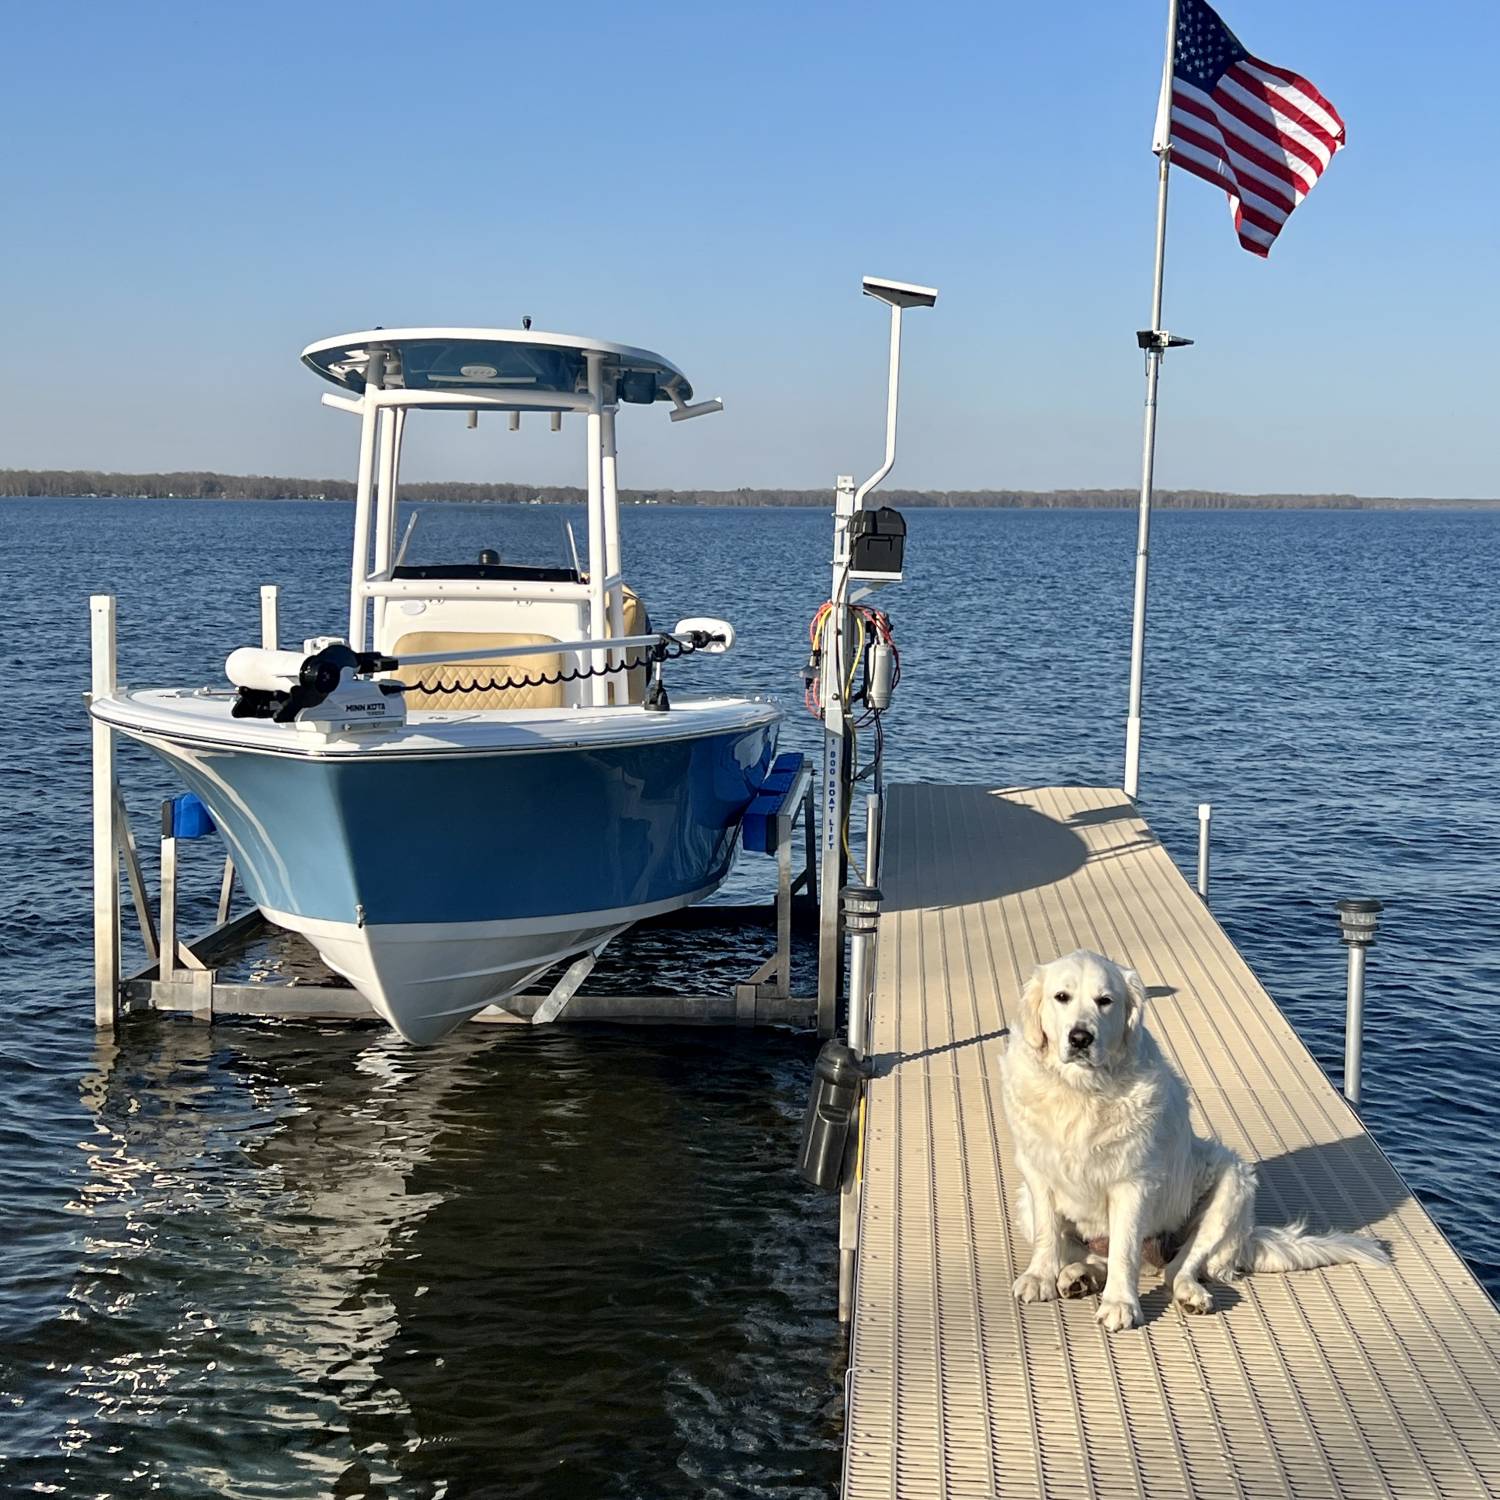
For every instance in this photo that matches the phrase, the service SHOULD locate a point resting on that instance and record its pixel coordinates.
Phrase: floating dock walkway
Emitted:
(1344, 1382)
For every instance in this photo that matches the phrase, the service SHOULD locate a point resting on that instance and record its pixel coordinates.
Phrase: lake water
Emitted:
(275, 1259)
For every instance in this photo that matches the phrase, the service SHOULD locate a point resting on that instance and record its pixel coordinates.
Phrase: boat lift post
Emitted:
(106, 807)
(837, 670)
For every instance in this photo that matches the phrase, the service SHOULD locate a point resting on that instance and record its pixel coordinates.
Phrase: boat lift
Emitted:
(206, 977)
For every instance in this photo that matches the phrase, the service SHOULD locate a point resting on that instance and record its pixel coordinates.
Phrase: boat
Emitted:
(483, 776)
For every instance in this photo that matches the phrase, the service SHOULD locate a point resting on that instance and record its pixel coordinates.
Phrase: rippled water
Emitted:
(277, 1259)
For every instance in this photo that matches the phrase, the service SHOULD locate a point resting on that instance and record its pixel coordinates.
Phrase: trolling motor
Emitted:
(328, 687)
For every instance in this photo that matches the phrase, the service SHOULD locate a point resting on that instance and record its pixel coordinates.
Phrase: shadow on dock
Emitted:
(1037, 850)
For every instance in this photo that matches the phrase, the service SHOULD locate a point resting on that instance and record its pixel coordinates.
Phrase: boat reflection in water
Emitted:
(551, 1261)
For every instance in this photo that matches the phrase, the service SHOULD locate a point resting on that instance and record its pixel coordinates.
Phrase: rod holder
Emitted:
(1358, 922)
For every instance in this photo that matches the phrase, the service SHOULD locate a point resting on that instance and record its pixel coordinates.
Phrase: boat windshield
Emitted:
(491, 539)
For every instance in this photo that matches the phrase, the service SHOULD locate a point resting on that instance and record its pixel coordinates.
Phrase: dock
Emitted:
(1342, 1382)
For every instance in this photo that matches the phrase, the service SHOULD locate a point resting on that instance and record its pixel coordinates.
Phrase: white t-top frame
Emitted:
(360, 363)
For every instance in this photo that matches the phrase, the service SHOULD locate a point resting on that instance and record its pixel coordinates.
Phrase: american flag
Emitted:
(1262, 134)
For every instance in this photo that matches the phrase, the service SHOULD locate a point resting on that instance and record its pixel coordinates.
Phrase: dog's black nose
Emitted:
(1080, 1039)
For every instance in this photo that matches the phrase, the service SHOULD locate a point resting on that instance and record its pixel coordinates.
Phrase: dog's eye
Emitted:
(1105, 1001)
(1062, 997)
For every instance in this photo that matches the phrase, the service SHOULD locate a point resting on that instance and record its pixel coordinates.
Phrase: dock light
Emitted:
(1357, 923)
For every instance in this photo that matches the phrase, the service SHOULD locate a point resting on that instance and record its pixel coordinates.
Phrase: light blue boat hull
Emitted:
(441, 883)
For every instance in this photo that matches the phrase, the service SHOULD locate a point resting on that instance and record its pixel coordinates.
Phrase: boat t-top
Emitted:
(483, 776)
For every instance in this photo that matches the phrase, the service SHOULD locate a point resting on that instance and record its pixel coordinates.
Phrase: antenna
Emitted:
(898, 296)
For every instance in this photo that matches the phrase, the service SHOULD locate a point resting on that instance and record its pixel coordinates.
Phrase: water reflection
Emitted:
(526, 1263)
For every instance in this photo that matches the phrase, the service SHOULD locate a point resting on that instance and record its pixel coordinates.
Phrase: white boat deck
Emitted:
(1343, 1382)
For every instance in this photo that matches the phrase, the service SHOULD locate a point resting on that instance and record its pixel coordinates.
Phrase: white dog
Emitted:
(1102, 1138)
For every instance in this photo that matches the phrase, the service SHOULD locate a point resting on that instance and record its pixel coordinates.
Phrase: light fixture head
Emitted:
(1358, 921)
(899, 293)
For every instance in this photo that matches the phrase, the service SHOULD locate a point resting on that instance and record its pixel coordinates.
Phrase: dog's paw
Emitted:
(1118, 1313)
(1029, 1286)
(1192, 1296)
(1080, 1279)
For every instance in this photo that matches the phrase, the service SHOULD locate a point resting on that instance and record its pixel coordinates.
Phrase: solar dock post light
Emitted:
(1205, 821)
(1358, 921)
(837, 789)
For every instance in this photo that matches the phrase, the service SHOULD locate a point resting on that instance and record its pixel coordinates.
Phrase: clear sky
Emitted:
(194, 192)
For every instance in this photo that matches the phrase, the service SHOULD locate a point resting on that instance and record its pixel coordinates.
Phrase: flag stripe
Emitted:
(1274, 170)
(1332, 121)
(1211, 143)
(1258, 116)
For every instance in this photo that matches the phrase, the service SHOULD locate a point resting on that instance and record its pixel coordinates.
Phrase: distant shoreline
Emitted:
(46, 484)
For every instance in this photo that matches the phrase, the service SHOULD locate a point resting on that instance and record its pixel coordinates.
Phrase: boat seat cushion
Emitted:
(448, 676)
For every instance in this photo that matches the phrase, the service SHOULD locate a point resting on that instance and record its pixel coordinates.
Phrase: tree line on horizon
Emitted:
(202, 485)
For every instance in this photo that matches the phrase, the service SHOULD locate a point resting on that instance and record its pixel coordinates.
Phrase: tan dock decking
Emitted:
(1343, 1382)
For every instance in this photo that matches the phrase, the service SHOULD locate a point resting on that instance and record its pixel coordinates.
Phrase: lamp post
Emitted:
(1358, 921)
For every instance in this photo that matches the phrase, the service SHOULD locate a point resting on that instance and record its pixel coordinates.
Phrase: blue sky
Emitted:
(195, 192)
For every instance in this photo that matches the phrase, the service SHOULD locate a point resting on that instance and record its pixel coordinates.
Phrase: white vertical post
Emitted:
(609, 473)
(106, 849)
(1354, 1023)
(167, 961)
(1205, 820)
(835, 785)
(385, 507)
(598, 549)
(270, 609)
(363, 495)
(1154, 352)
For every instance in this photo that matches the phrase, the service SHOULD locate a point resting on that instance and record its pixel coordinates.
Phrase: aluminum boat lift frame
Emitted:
(184, 976)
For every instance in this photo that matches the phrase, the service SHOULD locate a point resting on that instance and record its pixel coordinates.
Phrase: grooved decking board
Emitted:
(1344, 1382)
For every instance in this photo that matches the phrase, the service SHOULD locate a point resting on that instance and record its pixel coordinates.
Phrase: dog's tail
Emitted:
(1293, 1249)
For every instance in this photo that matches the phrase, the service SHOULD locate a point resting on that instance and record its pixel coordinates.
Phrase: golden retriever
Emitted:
(1102, 1138)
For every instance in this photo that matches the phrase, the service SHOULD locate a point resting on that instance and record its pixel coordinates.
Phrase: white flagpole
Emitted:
(1154, 341)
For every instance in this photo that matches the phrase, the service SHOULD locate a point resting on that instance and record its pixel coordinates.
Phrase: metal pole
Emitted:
(1358, 921)
(106, 847)
(270, 599)
(385, 509)
(596, 687)
(615, 601)
(893, 393)
(1205, 819)
(167, 962)
(1148, 445)
(835, 785)
(1354, 1023)
(363, 499)
(872, 838)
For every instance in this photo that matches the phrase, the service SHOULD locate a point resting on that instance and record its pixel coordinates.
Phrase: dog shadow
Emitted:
(1346, 1185)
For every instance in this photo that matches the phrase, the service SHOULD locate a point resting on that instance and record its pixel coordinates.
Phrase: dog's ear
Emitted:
(1031, 1012)
(1135, 1001)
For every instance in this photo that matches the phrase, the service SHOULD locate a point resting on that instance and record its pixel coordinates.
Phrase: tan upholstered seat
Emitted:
(448, 675)
(635, 624)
